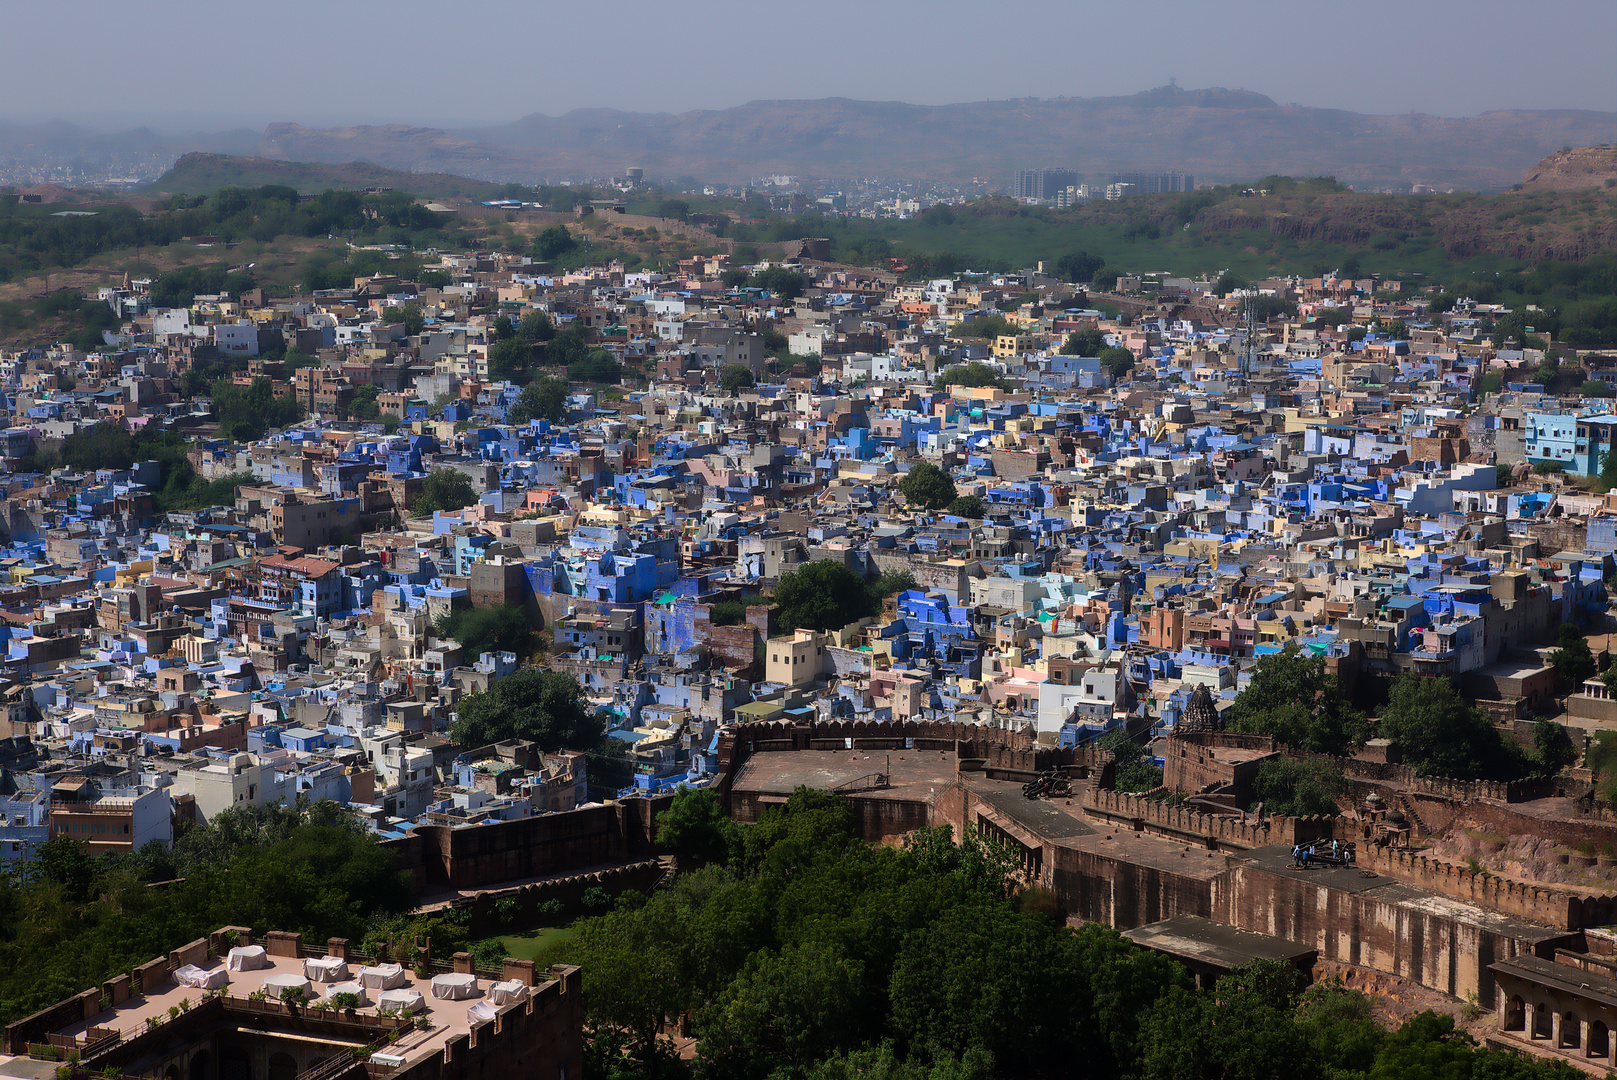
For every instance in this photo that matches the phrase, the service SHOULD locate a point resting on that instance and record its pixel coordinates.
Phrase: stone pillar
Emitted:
(337, 946)
(1555, 1027)
(463, 963)
(521, 970)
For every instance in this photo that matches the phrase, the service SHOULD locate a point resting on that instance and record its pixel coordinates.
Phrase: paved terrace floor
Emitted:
(915, 774)
(448, 1017)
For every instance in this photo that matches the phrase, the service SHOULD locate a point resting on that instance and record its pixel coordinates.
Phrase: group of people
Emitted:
(1341, 854)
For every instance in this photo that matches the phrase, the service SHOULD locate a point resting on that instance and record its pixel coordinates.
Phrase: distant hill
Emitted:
(199, 174)
(1215, 134)
(1574, 170)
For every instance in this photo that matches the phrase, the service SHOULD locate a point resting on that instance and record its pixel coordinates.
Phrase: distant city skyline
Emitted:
(184, 65)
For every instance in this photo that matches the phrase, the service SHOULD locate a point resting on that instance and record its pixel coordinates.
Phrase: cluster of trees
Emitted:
(75, 318)
(1135, 771)
(1292, 697)
(800, 952)
(444, 489)
(1118, 362)
(493, 629)
(71, 920)
(927, 486)
(984, 326)
(544, 707)
(975, 373)
(543, 399)
(826, 595)
(32, 239)
(246, 413)
(109, 446)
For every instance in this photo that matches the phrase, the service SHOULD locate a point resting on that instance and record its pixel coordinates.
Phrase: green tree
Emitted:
(968, 506)
(1292, 698)
(508, 357)
(569, 345)
(975, 373)
(789, 1008)
(695, 828)
(408, 314)
(1572, 660)
(1083, 343)
(67, 862)
(536, 326)
(545, 707)
(444, 489)
(735, 377)
(678, 209)
(1078, 266)
(1229, 281)
(597, 367)
(1340, 1027)
(928, 486)
(544, 398)
(822, 595)
(553, 243)
(1440, 735)
(1105, 279)
(1117, 362)
(1297, 788)
(501, 329)
(784, 283)
(493, 629)
(891, 582)
(1134, 770)
(1553, 748)
(984, 326)
(362, 406)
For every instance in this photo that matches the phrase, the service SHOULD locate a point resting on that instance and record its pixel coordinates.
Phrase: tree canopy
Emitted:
(492, 629)
(975, 373)
(928, 486)
(968, 506)
(799, 952)
(444, 489)
(784, 283)
(545, 707)
(544, 398)
(1440, 735)
(1083, 343)
(553, 243)
(309, 868)
(735, 377)
(823, 595)
(1292, 698)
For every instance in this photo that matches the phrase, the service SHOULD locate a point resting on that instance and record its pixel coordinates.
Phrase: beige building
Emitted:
(795, 661)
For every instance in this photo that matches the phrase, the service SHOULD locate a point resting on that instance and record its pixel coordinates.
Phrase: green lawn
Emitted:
(526, 945)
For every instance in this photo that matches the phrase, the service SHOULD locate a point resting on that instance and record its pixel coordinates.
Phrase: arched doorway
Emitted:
(1543, 1022)
(198, 1069)
(171, 1073)
(235, 1064)
(283, 1067)
(1571, 1030)
(1515, 1015)
(1599, 1040)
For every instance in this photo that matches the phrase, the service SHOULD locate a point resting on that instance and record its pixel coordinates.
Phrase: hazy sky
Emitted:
(205, 64)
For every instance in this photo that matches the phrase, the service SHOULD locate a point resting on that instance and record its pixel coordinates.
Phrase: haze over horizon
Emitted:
(198, 66)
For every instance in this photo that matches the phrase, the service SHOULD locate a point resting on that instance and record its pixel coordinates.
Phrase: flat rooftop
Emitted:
(449, 1018)
(1203, 941)
(1048, 819)
(917, 774)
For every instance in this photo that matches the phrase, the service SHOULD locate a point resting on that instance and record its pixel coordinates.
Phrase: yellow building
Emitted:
(1011, 345)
